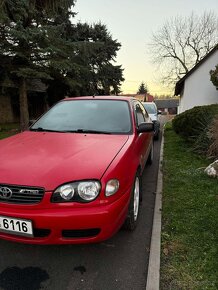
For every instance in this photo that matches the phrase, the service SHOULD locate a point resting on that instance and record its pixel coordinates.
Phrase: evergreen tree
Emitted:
(92, 70)
(38, 41)
(142, 89)
(29, 42)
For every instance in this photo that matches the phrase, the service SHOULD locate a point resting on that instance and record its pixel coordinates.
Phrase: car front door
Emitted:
(143, 140)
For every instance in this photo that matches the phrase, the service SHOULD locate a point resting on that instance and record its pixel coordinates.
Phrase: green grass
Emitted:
(7, 130)
(189, 256)
(9, 126)
(5, 135)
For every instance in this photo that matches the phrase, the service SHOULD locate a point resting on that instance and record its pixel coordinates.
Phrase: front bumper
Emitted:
(70, 226)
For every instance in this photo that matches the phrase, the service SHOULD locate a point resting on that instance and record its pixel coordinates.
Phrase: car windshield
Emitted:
(150, 108)
(87, 116)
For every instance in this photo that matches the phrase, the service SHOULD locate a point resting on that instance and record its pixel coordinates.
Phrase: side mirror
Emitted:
(159, 112)
(145, 127)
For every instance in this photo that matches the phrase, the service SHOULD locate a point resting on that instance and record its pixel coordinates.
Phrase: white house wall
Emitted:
(198, 89)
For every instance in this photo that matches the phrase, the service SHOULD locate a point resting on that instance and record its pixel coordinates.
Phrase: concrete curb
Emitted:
(153, 278)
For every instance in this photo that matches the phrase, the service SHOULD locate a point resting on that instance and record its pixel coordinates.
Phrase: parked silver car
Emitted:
(151, 108)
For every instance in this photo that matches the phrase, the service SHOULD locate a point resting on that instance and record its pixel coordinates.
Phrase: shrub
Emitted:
(191, 121)
(194, 125)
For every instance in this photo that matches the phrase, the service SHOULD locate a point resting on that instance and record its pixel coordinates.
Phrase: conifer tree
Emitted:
(29, 42)
(38, 41)
(142, 89)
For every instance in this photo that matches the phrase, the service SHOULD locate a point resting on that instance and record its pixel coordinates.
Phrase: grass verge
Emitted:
(7, 130)
(189, 254)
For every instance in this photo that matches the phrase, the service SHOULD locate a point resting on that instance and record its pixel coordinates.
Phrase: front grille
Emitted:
(87, 233)
(20, 194)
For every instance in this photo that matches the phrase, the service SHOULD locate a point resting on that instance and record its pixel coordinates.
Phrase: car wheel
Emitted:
(133, 211)
(151, 155)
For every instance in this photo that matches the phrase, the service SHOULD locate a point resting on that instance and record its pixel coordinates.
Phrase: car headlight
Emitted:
(112, 187)
(88, 190)
(81, 191)
(66, 191)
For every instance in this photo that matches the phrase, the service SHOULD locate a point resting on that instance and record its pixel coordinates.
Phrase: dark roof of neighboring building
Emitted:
(33, 85)
(167, 103)
(36, 85)
(180, 84)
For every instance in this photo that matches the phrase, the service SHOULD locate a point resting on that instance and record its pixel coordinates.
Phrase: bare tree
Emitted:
(182, 42)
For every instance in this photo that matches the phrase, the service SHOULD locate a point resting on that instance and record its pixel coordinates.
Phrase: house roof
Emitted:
(167, 103)
(180, 84)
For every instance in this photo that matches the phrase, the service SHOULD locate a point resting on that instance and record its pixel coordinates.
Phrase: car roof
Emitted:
(117, 98)
(149, 103)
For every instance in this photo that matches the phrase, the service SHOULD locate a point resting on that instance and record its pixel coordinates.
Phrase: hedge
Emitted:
(194, 125)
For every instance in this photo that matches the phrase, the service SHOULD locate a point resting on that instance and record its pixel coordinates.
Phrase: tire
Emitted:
(151, 155)
(133, 211)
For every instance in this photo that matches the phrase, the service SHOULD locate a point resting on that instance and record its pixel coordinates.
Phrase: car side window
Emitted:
(140, 116)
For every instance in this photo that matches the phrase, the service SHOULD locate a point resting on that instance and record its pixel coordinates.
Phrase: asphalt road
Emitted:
(119, 263)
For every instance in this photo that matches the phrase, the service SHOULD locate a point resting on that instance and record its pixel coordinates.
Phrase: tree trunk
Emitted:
(24, 112)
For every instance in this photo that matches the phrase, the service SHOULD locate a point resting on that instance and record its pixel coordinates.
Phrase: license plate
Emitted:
(16, 226)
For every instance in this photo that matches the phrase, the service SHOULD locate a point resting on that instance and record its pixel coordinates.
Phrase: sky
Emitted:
(132, 24)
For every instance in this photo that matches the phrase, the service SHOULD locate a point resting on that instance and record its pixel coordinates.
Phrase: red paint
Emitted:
(149, 98)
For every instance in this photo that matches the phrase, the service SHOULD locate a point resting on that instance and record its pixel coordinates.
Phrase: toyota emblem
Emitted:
(5, 192)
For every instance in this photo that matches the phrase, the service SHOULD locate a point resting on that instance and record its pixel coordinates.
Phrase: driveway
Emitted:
(119, 263)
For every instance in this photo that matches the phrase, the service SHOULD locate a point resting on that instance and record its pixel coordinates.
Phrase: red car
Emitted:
(75, 175)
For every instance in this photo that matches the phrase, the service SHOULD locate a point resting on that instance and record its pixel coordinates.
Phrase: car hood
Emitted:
(47, 159)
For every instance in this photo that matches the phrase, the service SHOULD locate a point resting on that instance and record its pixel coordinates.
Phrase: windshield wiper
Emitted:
(87, 131)
(40, 129)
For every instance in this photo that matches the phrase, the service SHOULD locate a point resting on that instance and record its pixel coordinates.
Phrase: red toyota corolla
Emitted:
(75, 175)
